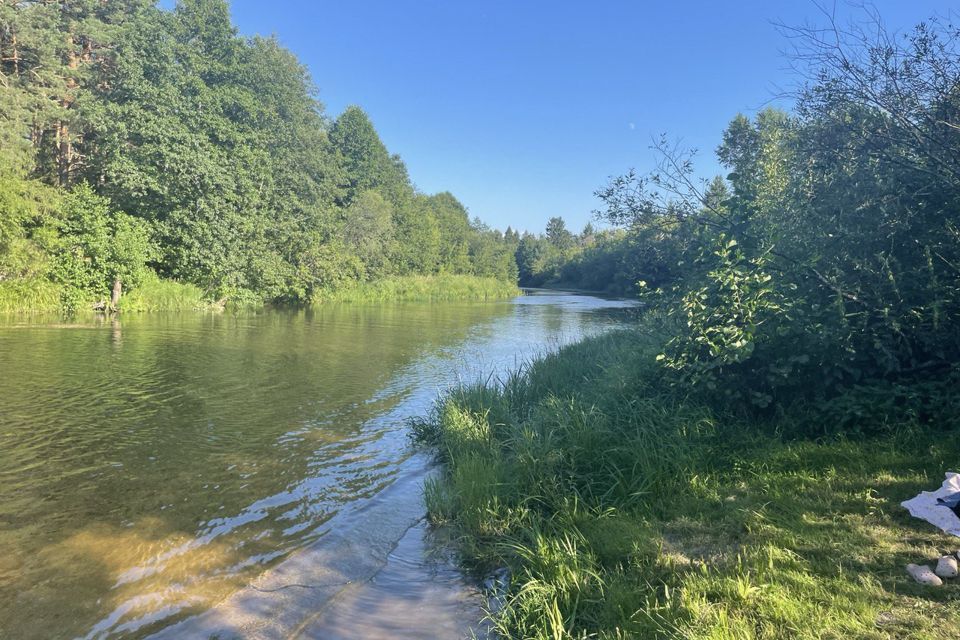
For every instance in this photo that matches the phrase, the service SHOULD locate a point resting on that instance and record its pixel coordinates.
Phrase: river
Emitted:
(250, 476)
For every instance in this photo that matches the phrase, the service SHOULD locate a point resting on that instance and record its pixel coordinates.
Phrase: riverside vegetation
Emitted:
(159, 153)
(730, 468)
(733, 467)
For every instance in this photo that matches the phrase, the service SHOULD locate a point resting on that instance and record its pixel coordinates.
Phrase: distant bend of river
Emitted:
(153, 466)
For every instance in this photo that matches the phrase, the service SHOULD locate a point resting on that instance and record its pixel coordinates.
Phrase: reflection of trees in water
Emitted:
(115, 455)
(163, 450)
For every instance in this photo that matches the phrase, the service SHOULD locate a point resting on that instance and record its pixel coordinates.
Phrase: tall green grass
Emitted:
(39, 295)
(438, 288)
(624, 510)
(35, 295)
(155, 294)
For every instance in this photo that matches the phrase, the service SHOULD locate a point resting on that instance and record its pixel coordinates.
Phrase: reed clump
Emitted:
(420, 288)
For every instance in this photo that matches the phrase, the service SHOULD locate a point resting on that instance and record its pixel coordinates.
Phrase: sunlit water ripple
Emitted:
(151, 467)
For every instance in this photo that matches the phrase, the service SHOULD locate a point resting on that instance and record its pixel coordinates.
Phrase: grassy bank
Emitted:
(29, 296)
(441, 288)
(42, 296)
(623, 511)
(155, 294)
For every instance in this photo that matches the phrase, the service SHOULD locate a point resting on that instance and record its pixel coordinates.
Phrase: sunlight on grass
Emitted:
(36, 295)
(440, 288)
(623, 511)
(155, 294)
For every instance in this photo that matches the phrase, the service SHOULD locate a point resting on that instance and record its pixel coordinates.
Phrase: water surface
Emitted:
(158, 473)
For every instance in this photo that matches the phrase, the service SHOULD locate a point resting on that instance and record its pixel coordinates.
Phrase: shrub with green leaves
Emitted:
(846, 218)
(723, 321)
(99, 246)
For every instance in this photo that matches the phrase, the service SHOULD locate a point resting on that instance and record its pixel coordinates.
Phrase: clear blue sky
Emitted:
(523, 108)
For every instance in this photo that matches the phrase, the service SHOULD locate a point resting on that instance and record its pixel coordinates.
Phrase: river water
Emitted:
(243, 476)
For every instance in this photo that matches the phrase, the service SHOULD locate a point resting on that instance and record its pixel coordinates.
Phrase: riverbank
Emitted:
(584, 292)
(436, 288)
(624, 510)
(40, 296)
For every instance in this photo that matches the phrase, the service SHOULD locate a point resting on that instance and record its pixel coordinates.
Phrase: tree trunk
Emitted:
(64, 141)
(117, 292)
(14, 55)
(65, 154)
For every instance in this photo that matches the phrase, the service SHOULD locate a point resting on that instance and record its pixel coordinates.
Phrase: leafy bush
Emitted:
(99, 246)
(828, 257)
(724, 323)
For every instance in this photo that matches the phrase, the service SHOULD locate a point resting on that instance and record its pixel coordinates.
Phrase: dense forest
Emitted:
(146, 149)
(611, 260)
(735, 466)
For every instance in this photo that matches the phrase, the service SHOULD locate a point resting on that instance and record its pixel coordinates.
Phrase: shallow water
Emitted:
(192, 474)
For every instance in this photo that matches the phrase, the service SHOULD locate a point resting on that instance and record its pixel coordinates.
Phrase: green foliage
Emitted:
(368, 233)
(845, 219)
(154, 294)
(28, 226)
(329, 267)
(99, 246)
(540, 258)
(491, 254)
(368, 163)
(30, 295)
(622, 511)
(438, 288)
(212, 146)
(557, 234)
(883, 406)
(725, 322)
(611, 260)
